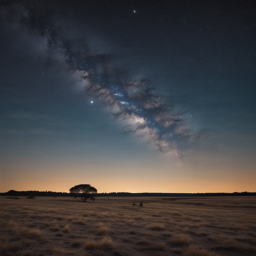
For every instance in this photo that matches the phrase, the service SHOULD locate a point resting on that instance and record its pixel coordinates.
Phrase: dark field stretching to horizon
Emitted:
(208, 226)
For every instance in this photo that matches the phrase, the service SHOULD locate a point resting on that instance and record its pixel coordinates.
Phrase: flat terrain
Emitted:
(115, 226)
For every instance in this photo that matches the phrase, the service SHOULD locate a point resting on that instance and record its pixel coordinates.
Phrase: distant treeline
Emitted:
(124, 194)
(245, 193)
(34, 193)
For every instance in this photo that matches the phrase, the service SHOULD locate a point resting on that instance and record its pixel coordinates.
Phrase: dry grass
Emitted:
(105, 244)
(180, 240)
(103, 231)
(76, 244)
(23, 232)
(29, 252)
(7, 247)
(201, 233)
(79, 222)
(195, 250)
(227, 243)
(113, 226)
(66, 229)
(58, 251)
(91, 245)
(55, 228)
(154, 247)
(155, 226)
(34, 234)
(143, 241)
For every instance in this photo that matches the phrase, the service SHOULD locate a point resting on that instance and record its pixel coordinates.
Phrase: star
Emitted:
(91, 101)
(134, 11)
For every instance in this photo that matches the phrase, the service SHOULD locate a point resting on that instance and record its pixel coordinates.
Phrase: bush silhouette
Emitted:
(85, 191)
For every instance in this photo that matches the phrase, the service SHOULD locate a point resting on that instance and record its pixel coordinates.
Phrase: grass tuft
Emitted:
(103, 231)
(107, 244)
(58, 251)
(155, 226)
(66, 229)
(90, 245)
(180, 240)
(35, 234)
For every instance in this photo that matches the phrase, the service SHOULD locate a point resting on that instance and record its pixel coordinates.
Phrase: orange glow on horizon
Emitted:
(58, 177)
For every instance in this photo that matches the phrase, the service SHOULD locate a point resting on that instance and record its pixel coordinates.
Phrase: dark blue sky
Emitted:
(128, 95)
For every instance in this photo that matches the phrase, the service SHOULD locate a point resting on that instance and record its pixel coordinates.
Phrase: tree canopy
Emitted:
(84, 190)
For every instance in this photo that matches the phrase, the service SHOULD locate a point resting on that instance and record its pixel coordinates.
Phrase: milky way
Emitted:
(146, 114)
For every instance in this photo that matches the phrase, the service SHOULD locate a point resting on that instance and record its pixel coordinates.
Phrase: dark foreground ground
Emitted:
(119, 226)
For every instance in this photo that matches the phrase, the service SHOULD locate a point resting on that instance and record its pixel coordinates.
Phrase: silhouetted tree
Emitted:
(84, 190)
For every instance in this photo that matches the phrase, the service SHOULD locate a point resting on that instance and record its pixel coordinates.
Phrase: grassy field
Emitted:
(119, 226)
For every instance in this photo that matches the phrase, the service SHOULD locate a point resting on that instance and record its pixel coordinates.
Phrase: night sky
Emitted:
(136, 96)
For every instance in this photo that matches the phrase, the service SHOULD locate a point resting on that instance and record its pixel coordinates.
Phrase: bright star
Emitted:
(134, 11)
(91, 101)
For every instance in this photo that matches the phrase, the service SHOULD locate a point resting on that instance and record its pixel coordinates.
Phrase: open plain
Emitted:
(196, 226)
